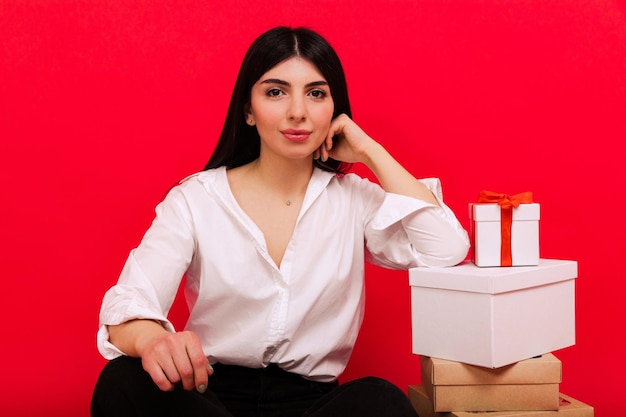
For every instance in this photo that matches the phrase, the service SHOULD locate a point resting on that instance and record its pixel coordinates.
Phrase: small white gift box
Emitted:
(488, 237)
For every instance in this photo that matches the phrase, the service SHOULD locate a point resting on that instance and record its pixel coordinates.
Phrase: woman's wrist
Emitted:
(133, 336)
(373, 155)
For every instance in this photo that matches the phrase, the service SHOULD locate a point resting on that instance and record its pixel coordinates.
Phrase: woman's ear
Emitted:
(248, 115)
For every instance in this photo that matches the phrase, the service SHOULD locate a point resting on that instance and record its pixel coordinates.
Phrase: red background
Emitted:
(104, 104)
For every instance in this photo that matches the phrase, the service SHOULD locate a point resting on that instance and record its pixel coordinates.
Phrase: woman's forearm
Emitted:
(132, 336)
(393, 177)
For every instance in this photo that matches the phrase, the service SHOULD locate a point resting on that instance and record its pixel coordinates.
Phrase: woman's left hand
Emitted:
(354, 145)
(352, 142)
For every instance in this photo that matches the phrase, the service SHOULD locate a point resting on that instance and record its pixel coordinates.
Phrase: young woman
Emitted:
(272, 238)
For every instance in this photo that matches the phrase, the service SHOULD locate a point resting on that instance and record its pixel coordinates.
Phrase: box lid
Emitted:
(471, 278)
(490, 212)
(544, 369)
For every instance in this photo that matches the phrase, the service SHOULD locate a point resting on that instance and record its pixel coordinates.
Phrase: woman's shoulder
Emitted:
(195, 185)
(203, 177)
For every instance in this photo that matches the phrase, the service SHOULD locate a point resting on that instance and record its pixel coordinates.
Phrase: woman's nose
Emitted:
(297, 109)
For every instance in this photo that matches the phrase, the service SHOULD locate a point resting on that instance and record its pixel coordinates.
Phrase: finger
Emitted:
(324, 152)
(334, 129)
(329, 141)
(184, 368)
(158, 375)
(201, 367)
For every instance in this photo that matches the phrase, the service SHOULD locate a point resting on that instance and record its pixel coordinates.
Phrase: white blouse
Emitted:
(303, 315)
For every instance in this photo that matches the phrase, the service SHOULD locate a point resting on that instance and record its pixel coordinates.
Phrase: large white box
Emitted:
(493, 316)
(485, 224)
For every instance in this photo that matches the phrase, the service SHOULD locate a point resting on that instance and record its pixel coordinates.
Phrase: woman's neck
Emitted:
(287, 177)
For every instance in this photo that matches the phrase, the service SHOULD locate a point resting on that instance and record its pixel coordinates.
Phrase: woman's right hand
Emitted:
(169, 358)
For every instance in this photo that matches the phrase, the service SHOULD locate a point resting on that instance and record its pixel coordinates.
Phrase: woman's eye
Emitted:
(318, 93)
(274, 92)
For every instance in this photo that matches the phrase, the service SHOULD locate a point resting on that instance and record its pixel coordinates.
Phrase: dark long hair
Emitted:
(240, 143)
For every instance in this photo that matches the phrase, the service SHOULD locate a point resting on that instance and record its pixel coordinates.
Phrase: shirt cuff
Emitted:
(107, 349)
(120, 306)
(396, 207)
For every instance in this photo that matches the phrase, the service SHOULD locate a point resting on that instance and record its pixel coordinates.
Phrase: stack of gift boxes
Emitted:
(486, 329)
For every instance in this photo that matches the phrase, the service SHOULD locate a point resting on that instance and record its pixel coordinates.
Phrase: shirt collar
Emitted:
(216, 183)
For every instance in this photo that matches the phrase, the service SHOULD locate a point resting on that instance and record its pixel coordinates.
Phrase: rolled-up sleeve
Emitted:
(151, 275)
(406, 232)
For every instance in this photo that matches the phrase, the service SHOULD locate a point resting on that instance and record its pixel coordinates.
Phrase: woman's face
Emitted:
(292, 108)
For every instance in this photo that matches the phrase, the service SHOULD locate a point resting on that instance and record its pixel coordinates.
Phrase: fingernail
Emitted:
(210, 368)
(201, 388)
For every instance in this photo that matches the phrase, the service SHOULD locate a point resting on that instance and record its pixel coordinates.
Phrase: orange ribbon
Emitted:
(506, 203)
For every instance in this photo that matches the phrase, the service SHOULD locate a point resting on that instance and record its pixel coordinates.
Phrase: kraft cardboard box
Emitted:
(568, 407)
(487, 238)
(493, 317)
(532, 384)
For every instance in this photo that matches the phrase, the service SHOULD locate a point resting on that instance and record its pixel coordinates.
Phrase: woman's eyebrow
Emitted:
(317, 83)
(287, 84)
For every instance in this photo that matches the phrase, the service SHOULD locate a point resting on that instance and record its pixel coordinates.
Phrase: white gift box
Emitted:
(493, 317)
(485, 229)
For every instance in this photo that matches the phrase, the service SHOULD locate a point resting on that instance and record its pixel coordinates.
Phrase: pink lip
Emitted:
(296, 135)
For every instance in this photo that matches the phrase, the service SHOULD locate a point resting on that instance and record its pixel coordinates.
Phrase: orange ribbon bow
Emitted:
(506, 203)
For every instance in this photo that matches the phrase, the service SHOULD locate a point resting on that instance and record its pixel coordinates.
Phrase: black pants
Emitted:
(125, 389)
